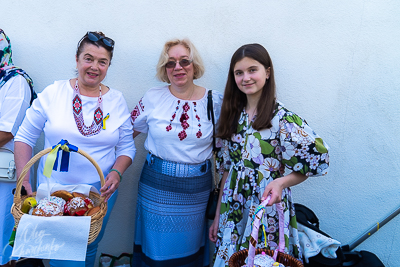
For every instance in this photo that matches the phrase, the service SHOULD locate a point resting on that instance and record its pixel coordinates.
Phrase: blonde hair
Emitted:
(198, 65)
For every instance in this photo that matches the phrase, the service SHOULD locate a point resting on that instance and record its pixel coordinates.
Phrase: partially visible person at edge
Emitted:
(16, 93)
(266, 149)
(63, 110)
(176, 178)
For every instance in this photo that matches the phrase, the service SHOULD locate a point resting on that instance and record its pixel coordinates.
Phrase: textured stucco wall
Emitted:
(336, 63)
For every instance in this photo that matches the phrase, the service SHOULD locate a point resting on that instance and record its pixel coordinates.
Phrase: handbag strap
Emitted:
(3, 149)
(258, 214)
(210, 115)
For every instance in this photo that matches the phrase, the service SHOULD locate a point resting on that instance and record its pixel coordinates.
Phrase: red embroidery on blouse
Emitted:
(169, 127)
(136, 111)
(141, 104)
(184, 120)
(182, 135)
(199, 133)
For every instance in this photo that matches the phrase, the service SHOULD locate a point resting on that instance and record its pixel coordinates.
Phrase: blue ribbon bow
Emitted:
(52, 159)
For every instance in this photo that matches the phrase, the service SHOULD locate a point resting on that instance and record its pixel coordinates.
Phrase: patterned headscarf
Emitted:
(7, 68)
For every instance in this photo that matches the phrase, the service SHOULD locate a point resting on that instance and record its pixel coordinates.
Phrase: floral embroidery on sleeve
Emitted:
(137, 111)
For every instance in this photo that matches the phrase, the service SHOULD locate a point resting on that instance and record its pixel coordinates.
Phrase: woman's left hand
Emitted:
(113, 179)
(111, 184)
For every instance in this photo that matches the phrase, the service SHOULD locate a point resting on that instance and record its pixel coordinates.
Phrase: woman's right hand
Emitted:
(212, 234)
(28, 187)
(135, 133)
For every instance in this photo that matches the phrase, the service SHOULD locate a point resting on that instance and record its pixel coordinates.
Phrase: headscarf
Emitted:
(7, 68)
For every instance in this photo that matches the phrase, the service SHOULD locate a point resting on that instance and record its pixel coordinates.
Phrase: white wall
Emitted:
(336, 63)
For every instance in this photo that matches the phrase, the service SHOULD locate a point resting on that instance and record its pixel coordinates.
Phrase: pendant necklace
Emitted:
(251, 115)
(97, 124)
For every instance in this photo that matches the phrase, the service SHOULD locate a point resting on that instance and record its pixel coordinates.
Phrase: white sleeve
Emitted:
(217, 103)
(125, 145)
(33, 124)
(16, 96)
(139, 114)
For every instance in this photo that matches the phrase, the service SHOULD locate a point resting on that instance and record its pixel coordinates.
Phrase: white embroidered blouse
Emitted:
(177, 130)
(52, 113)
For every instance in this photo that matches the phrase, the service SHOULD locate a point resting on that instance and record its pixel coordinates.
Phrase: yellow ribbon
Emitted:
(265, 236)
(104, 121)
(65, 148)
(51, 158)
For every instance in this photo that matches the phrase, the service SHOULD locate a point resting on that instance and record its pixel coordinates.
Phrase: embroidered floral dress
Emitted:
(254, 159)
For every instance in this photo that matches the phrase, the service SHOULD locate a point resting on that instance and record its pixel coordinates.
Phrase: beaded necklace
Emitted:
(97, 124)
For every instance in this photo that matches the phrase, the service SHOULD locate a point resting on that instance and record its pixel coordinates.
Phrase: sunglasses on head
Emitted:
(94, 37)
(183, 62)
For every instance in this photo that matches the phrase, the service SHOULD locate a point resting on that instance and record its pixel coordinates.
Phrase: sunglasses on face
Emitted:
(94, 37)
(183, 62)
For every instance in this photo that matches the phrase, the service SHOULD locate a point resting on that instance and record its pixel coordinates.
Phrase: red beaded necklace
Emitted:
(97, 124)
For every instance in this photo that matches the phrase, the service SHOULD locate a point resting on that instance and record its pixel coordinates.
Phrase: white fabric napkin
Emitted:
(57, 237)
(312, 243)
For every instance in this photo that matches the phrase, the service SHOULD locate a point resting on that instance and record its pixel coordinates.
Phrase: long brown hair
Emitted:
(235, 100)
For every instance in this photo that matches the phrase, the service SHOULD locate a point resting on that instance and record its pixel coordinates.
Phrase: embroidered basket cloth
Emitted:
(239, 257)
(96, 219)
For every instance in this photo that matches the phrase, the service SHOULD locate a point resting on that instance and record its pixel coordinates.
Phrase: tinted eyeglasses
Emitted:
(183, 62)
(94, 37)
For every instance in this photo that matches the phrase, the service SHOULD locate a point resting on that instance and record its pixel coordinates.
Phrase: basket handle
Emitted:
(30, 163)
(256, 225)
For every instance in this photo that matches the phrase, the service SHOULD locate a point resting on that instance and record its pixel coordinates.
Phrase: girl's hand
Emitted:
(111, 184)
(212, 234)
(274, 189)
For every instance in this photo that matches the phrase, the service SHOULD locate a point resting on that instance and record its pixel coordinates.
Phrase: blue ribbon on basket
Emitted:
(52, 159)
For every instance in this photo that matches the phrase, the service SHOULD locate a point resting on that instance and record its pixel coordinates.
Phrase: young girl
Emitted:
(265, 149)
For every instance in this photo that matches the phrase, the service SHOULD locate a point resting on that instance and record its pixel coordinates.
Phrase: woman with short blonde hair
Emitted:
(176, 178)
(193, 55)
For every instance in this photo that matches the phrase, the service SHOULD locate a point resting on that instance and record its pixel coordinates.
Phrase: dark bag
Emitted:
(212, 204)
(307, 217)
(29, 262)
(362, 258)
(214, 194)
(123, 260)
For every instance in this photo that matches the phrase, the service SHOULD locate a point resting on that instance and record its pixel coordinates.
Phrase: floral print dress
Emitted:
(254, 159)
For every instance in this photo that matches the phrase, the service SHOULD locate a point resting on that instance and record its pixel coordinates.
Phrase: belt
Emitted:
(177, 169)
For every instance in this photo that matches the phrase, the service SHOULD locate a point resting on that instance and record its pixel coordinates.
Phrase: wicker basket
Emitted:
(238, 258)
(96, 219)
